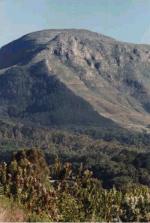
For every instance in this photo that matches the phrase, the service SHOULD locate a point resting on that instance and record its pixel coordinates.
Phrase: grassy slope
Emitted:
(10, 211)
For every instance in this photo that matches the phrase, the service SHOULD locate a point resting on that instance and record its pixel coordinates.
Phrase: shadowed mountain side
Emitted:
(33, 96)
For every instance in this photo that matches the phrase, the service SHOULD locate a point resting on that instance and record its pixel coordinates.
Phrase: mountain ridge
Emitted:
(111, 76)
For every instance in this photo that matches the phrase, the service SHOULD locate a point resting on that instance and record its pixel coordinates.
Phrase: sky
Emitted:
(125, 20)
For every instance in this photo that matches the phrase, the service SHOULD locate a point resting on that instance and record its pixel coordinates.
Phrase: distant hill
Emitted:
(75, 78)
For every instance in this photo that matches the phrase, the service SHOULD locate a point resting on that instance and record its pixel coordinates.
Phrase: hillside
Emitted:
(65, 78)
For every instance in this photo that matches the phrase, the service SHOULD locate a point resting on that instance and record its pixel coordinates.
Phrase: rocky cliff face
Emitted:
(75, 77)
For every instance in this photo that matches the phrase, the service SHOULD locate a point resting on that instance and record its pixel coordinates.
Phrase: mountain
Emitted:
(75, 78)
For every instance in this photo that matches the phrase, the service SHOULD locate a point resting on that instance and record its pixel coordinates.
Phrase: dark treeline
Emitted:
(114, 162)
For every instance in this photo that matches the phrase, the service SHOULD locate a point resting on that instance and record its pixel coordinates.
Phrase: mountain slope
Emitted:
(75, 77)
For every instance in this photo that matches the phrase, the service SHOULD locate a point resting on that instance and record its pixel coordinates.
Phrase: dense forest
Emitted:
(115, 157)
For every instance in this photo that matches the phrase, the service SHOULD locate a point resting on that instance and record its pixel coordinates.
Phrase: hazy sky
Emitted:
(126, 20)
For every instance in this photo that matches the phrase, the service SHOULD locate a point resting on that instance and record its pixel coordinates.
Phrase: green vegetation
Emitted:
(10, 211)
(58, 192)
(102, 176)
(116, 160)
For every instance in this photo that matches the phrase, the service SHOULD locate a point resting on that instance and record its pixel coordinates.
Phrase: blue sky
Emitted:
(126, 20)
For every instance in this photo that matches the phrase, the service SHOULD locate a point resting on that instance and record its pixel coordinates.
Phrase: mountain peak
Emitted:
(45, 36)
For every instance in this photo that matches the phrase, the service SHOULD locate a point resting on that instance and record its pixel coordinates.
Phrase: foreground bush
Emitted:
(58, 193)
